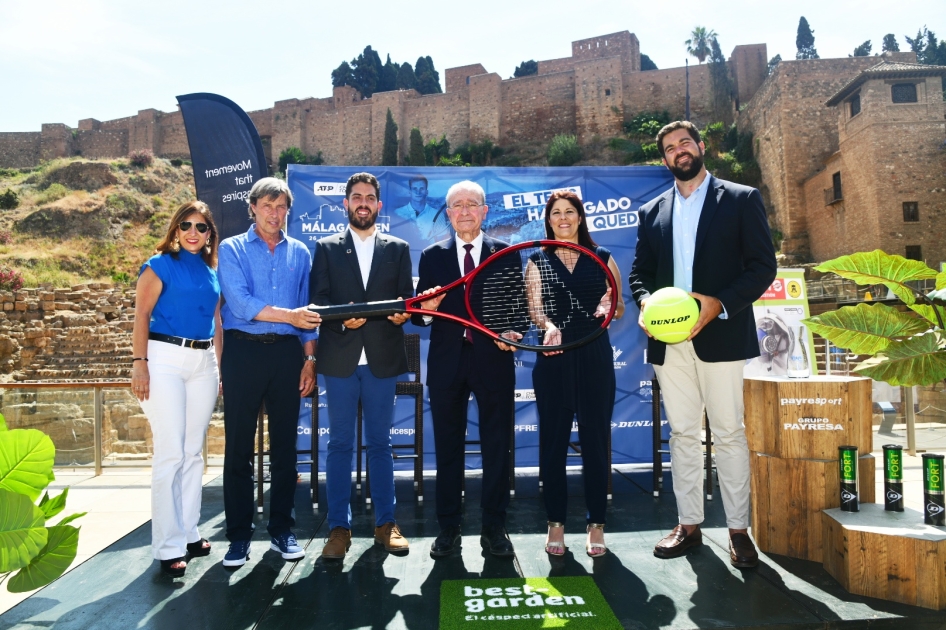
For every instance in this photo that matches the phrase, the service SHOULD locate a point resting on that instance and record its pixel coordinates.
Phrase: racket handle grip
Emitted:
(368, 309)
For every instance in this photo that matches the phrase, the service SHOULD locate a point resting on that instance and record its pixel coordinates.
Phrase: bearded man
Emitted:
(361, 359)
(710, 238)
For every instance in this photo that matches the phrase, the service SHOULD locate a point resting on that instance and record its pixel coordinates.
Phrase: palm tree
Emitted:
(699, 43)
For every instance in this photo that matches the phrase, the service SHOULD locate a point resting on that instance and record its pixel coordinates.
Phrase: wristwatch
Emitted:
(310, 357)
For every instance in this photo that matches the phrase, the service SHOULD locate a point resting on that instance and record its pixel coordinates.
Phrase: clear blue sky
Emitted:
(64, 61)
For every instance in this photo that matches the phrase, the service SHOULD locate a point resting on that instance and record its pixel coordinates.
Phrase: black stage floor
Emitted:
(122, 586)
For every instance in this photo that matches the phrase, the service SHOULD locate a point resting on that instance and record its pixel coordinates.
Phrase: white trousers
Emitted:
(184, 384)
(687, 384)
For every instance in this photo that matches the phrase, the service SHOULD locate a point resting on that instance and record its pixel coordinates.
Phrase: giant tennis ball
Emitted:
(670, 314)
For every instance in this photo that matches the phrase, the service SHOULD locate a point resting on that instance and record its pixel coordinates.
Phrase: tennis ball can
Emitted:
(933, 509)
(893, 478)
(847, 459)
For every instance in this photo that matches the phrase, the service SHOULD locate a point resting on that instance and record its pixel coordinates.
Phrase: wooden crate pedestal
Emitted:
(889, 555)
(794, 428)
(788, 496)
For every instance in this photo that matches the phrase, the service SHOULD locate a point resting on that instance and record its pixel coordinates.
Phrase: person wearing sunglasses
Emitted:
(176, 349)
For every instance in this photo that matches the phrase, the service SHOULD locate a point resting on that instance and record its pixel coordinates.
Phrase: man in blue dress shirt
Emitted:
(268, 357)
(710, 238)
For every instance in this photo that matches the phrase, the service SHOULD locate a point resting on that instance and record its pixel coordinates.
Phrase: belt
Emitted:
(197, 344)
(266, 338)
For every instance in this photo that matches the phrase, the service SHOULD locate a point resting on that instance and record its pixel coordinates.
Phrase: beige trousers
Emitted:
(687, 384)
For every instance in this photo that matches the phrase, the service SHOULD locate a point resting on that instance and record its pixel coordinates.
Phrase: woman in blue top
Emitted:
(176, 350)
(574, 383)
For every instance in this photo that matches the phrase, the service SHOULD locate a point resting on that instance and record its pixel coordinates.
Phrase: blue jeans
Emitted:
(377, 403)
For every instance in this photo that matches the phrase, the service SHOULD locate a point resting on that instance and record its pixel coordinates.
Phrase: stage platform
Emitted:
(122, 587)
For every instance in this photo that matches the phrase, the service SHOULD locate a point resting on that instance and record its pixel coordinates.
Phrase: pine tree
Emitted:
(890, 43)
(805, 41)
(428, 79)
(405, 77)
(389, 149)
(863, 50)
(415, 152)
(388, 80)
(721, 82)
(646, 63)
(366, 69)
(774, 61)
(526, 68)
(342, 75)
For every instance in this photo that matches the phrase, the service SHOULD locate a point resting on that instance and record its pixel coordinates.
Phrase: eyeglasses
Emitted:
(201, 227)
(459, 207)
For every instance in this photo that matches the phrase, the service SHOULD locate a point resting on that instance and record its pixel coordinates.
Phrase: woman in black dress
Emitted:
(578, 382)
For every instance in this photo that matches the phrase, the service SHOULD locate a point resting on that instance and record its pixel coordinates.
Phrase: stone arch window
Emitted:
(855, 104)
(903, 92)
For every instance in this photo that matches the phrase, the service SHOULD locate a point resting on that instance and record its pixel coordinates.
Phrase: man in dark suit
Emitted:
(711, 238)
(361, 359)
(461, 361)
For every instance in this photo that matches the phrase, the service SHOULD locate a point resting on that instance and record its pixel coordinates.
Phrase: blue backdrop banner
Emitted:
(413, 208)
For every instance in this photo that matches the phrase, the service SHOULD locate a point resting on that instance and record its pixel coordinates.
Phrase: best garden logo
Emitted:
(525, 603)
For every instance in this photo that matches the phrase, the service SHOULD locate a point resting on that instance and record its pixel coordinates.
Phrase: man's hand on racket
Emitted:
(640, 320)
(553, 337)
(399, 318)
(509, 334)
(433, 303)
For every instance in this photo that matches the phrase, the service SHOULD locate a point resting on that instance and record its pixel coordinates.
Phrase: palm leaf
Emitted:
(865, 329)
(927, 312)
(26, 461)
(52, 561)
(919, 360)
(22, 534)
(52, 507)
(72, 517)
(877, 267)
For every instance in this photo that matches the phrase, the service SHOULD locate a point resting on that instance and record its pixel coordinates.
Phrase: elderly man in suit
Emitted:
(361, 359)
(460, 361)
(711, 238)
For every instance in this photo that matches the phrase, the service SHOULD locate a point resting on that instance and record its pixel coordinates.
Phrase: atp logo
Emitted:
(615, 353)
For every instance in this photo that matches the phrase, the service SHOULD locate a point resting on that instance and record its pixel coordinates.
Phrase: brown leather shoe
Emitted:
(390, 536)
(678, 541)
(339, 541)
(742, 553)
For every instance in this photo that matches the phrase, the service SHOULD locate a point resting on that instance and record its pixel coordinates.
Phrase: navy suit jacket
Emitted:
(336, 279)
(734, 261)
(439, 266)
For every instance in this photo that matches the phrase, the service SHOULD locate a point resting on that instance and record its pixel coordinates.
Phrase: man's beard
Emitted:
(358, 222)
(685, 174)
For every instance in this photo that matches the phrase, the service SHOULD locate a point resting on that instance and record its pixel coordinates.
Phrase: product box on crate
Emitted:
(788, 496)
(888, 555)
(807, 418)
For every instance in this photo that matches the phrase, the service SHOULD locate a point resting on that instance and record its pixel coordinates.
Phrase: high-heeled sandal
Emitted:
(168, 566)
(555, 548)
(590, 546)
(199, 548)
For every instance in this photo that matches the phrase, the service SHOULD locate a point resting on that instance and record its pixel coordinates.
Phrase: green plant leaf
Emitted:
(52, 561)
(72, 517)
(52, 507)
(3, 423)
(22, 534)
(927, 312)
(26, 461)
(919, 360)
(878, 267)
(941, 280)
(865, 329)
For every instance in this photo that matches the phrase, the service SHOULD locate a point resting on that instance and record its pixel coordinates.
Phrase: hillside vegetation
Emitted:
(77, 220)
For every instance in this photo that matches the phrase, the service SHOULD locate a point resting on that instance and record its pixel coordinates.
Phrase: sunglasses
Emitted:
(201, 227)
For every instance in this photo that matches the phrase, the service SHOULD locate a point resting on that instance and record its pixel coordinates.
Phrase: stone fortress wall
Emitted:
(589, 94)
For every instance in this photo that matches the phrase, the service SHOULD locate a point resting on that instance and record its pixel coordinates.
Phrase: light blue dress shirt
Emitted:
(686, 220)
(251, 278)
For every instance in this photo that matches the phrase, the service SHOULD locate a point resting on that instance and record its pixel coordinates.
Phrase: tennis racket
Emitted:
(538, 295)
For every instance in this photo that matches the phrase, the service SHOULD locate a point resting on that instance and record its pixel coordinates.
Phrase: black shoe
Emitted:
(497, 541)
(199, 548)
(447, 540)
(168, 566)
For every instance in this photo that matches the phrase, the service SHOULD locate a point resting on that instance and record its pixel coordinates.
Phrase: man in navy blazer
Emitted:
(711, 238)
(461, 361)
(360, 359)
